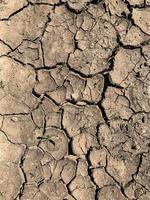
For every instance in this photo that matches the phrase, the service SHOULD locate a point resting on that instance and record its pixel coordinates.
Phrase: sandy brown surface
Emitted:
(74, 99)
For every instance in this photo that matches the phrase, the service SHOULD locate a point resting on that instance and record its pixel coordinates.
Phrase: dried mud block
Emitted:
(107, 136)
(58, 38)
(83, 142)
(32, 166)
(29, 52)
(32, 28)
(111, 192)
(135, 190)
(132, 137)
(141, 18)
(98, 157)
(15, 77)
(93, 89)
(95, 46)
(48, 111)
(9, 152)
(8, 7)
(65, 170)
(10, 187)
(59, 147)
(21, 129)
(9, 105)
(136, 2)
(82, 187)
(54, 190)
(124, 64)
(73, 87)
(78, 119)
(131, 35)
(101, 178)
(132, 73)
(12, 177)
(138, 94)
(117, 7)
(45, 82)
(82, 167)
(32, 192)
(116, 104)
(140, 122)
(143, 177)
(122, 169)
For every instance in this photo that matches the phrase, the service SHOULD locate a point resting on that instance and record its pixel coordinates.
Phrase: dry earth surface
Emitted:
(74, 99)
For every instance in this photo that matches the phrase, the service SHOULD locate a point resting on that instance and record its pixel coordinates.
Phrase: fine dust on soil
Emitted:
(74, 99)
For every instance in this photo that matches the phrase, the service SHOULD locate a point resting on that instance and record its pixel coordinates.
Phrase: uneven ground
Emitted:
(74, 100)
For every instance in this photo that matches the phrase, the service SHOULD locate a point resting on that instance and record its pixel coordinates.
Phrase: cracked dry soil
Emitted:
(74, 100)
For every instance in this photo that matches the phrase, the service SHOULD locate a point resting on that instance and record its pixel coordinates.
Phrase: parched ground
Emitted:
(74, 100)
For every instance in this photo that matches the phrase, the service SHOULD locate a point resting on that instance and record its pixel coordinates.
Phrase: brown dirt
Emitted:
(74, 100)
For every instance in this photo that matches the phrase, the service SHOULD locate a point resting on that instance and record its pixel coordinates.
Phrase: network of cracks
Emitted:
(74, 100)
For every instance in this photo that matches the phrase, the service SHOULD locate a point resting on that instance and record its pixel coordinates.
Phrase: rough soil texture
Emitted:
(74, 100)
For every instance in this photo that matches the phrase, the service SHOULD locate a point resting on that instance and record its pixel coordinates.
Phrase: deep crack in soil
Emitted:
(74, 100)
